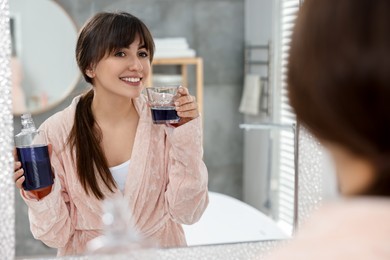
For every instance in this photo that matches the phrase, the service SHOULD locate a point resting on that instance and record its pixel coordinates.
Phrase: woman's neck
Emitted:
(112, 111)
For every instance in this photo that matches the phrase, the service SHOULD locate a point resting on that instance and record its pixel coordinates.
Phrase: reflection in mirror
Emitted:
(44, 70)
(243, 168)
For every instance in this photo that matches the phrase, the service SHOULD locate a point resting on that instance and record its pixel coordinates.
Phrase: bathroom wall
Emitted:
(215, 29)
(256, 143)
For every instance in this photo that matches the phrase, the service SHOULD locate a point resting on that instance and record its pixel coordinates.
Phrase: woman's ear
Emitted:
(90, 73)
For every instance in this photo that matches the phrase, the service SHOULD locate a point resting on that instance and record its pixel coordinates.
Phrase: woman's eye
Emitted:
(143, 54)
(120, 54)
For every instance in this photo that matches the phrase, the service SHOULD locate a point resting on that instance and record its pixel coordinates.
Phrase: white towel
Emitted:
(173, 48)
(250, 98)
(174, 42)
(174, 53)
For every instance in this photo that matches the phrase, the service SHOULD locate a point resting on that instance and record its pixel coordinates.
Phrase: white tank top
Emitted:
(119, 173)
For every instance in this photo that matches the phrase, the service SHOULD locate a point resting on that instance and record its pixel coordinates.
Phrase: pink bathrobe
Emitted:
(349, 229)
(166, 185)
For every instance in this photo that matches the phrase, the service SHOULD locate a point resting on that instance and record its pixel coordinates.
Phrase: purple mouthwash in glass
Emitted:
(33, 153)
(162, 115)
(161, 101)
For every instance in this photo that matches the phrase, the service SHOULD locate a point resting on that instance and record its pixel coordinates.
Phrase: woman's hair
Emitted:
(339, 79)
(103, 34)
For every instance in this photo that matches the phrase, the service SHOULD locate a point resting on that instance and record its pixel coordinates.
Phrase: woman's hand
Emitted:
(186, 106)
(18, 171)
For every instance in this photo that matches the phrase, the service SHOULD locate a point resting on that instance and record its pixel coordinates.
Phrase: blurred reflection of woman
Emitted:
(105, 146)
(339, 88)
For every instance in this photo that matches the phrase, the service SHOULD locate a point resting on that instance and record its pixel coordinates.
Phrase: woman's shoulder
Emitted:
(359, 206)
(347, 215)
(61, 121)
(335, 226)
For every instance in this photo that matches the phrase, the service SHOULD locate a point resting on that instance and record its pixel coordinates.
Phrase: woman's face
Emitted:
(355, 174)
(122, 73)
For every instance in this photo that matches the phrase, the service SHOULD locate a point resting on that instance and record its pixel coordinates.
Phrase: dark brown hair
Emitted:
(339, 78)
(103, 34)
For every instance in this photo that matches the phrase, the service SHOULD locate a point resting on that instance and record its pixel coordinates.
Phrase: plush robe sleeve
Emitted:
(50, 218)
(187, 193)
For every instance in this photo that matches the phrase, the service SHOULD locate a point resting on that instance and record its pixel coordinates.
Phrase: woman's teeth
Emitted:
(131, 79)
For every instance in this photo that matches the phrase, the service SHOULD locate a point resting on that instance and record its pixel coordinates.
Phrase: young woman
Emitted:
(339, 88)
(104, 145)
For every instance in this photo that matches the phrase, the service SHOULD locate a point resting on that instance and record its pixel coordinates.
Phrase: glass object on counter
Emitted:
(119, 237)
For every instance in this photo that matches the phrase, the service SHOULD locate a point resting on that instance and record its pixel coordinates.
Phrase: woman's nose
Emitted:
(135, 64)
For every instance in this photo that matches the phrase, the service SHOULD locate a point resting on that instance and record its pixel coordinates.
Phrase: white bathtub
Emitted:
(229, 220)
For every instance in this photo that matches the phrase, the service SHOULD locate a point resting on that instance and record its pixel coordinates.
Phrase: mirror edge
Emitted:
(7, 209)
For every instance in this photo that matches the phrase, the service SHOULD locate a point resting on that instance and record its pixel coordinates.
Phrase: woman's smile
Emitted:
(133, 81)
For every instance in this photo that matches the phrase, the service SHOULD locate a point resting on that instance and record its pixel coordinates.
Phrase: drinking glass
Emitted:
(162, 104)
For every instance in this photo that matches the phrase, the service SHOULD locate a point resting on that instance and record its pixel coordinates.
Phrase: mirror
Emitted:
(220, 41)
(44, 69)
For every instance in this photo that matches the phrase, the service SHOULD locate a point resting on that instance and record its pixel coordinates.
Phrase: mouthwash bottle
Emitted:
(33, 153)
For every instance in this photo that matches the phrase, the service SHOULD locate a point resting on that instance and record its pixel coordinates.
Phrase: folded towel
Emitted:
(178, 42)
(174, 53)
(176, 47)
(250, 98)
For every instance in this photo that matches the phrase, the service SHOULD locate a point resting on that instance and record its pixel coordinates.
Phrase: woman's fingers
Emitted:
(17, 165)
(18, 174)
(185, 100)
(188, 114)
(186, 106)
(19, 177)
(183, 91)
(18, 171)
(19, 183)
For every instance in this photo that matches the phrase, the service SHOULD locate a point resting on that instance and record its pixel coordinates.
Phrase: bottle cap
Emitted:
(27, 122)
